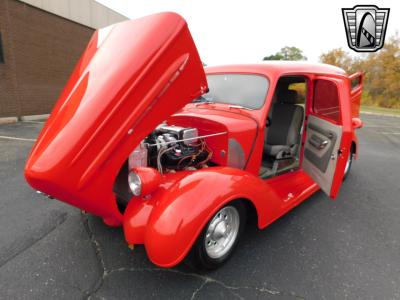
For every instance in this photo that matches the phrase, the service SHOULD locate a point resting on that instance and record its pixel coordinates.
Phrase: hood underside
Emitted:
(131, 77)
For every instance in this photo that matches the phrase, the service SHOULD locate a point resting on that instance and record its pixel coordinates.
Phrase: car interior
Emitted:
(284, 127)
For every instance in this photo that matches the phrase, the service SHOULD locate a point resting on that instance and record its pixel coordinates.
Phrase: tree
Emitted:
(276, 56)
(381, 69)
(382, 74)
(338, 57)
(287, 53)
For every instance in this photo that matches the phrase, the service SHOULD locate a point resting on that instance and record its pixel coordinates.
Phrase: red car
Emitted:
(142, 136)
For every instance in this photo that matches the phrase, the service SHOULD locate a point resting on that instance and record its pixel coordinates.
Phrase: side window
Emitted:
(326, 100)
(301, 89)
(355, 83)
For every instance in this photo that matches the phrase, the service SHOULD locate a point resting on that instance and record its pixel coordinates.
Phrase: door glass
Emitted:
(326, 100)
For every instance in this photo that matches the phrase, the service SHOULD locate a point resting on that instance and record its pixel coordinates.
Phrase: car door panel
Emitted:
(328, 134)
(321, 148)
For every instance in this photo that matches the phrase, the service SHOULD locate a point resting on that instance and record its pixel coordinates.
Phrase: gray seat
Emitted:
(282, 137)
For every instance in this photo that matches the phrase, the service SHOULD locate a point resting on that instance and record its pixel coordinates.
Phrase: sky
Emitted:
(230, 31)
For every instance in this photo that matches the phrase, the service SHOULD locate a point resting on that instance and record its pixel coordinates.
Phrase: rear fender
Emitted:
(184, 209)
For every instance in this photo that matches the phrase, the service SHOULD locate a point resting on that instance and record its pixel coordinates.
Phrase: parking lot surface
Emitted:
(323, 249)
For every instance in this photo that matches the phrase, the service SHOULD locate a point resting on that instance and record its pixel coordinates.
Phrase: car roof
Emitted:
(278, 68)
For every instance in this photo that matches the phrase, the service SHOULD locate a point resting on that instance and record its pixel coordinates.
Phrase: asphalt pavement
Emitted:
(323, 249)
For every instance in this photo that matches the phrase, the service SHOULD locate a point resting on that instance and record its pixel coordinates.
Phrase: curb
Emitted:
(379, 114)
(8, 120)
(35, 118)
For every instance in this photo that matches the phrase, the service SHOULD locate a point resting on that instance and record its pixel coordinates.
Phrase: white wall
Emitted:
(86, 12)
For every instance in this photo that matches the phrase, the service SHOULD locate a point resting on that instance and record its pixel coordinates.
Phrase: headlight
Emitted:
(135, 183)
(143, 180)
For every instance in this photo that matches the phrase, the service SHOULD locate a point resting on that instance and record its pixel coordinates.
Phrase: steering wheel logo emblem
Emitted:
(365, 27)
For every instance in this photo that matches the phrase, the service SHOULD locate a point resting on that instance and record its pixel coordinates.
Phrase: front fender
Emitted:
(183, 209)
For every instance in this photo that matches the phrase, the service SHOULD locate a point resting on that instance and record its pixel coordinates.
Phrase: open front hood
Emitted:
(131, 77)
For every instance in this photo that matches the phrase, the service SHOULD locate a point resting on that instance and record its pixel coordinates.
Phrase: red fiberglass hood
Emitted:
(131, 77)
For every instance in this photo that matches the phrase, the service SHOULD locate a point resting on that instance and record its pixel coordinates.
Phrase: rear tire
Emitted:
(348, 164)
(219, 237)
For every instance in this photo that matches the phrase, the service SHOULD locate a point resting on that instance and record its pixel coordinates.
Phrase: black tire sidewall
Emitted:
(351, 162)
(200, 257)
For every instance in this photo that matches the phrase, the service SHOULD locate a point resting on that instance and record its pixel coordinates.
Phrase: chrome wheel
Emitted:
(222, 232)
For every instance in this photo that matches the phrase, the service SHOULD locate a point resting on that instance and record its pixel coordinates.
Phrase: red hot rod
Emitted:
(144, 137)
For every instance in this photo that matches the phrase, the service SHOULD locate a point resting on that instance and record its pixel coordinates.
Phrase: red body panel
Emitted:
(133, 76)
(241, 127)
(169, 222)
(347, 136)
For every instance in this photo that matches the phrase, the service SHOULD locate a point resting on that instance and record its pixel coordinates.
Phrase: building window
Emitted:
(1, 51)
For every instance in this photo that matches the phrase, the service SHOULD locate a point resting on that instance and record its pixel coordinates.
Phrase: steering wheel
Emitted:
(268, 123)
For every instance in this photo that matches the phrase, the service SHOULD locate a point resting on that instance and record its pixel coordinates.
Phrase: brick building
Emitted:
(40, 42)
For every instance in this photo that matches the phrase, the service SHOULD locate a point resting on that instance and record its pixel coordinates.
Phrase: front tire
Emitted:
(219, 237)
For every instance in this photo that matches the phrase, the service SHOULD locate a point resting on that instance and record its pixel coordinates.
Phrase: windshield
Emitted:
(247, 90)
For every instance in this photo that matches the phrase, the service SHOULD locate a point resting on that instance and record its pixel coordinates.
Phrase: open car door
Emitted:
(356, 81)
(328, 135)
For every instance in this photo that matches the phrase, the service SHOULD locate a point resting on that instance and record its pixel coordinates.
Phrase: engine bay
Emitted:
(167, 149)
(170, 149)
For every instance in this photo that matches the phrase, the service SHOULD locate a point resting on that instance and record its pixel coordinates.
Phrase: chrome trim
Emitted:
(189, 139)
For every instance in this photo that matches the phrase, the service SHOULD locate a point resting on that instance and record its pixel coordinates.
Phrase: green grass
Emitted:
(380, 110)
